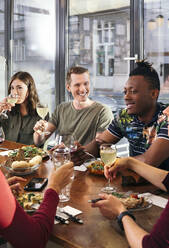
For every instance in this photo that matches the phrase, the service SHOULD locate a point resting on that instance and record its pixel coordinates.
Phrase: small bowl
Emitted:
(21, 171)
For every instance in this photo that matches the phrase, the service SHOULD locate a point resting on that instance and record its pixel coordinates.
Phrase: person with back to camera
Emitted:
(23, 230)
(21, 116)
(112, 208)
(82, 117)
(142, 122)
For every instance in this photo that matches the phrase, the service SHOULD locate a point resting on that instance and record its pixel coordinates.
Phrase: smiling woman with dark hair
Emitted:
(22, 116)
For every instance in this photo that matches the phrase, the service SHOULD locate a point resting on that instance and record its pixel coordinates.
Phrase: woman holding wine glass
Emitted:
(21, 113)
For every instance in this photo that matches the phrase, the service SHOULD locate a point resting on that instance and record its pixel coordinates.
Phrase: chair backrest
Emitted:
(123, 150)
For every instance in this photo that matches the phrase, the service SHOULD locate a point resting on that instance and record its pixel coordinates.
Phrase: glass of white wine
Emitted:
(12, 99)
(42, 111)
(108, 156)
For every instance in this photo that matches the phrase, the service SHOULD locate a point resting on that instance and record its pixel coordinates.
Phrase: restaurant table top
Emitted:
(97, 231)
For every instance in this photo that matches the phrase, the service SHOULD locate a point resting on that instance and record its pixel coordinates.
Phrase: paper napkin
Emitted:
(156, 200)
(80, 168)
(71, 210)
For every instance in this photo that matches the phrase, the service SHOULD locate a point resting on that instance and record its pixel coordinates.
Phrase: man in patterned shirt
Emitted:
(142, 122)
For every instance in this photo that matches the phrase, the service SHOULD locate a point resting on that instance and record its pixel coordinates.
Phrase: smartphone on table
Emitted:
(36, 184)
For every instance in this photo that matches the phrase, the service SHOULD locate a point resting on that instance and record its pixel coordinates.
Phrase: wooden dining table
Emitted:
(96, 231)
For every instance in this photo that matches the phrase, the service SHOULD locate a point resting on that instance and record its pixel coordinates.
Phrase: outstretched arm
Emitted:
(104, 137)
(150, 173)
(157, 152)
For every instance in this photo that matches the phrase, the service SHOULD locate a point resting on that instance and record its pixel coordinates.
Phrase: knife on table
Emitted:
(73, 218)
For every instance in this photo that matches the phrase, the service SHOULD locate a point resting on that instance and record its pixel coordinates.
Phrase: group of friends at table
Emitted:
(144, 122)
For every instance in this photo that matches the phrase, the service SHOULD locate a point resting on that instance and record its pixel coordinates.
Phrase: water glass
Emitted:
(67, 140)
(60, 156)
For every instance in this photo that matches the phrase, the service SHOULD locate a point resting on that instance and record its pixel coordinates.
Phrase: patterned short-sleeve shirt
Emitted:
(140, 135)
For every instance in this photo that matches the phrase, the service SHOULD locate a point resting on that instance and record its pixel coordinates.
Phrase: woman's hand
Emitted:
(60, 177)
(14, 183)
(110, 206)
(119, 165)
(4, 105)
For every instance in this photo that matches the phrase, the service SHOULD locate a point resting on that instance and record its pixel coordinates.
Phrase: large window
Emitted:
(156, 41)
(99, 39)
(2, 49)
(33, 48)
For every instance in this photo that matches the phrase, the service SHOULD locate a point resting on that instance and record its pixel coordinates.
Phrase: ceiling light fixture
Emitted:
(160, 18)
(151, 24)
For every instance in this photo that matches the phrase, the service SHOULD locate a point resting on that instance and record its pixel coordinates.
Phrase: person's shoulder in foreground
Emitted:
(35, 230)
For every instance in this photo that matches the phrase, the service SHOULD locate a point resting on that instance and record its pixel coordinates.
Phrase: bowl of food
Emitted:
(95, 166)
(21, 162)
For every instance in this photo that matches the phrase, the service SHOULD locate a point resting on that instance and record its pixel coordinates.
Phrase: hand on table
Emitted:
(60, 177)
(14, 183)
(110, 206)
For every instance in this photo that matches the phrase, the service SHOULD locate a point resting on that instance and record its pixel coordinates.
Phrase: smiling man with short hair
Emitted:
(83, 118)
(142, 122)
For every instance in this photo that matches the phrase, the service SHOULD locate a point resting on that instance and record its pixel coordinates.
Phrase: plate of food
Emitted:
(133, 202)
(23, 161)
(28, 152)
(30, 201)
(95, 166)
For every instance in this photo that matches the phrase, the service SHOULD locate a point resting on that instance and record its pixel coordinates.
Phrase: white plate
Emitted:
(142, 208)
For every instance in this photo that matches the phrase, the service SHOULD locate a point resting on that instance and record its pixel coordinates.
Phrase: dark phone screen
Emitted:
(36, 183)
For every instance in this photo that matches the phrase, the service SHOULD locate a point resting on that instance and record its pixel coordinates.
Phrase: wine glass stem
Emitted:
(109, 182)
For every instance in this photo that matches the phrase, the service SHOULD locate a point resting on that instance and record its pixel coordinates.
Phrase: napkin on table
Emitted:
(156, 200)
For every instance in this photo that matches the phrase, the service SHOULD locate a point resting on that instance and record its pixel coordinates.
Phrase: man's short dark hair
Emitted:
(75, 70)
(146, 70)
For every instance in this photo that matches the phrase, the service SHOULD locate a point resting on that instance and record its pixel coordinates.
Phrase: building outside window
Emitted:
(99, 39)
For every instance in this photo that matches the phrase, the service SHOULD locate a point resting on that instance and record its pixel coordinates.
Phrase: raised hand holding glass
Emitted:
(108, 155)
(12, 99)
(42, 111)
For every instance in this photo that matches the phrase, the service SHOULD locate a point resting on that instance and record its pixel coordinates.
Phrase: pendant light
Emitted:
(160, 18)
(151, 24)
